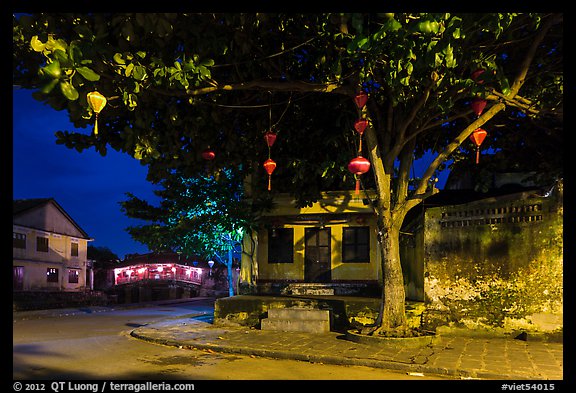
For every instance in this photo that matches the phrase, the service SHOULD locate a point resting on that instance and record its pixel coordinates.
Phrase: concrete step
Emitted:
(311, 289)
(299, 313)
(297, 319)
(296, 325)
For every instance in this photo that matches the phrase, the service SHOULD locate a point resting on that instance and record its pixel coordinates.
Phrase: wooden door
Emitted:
(317, 255)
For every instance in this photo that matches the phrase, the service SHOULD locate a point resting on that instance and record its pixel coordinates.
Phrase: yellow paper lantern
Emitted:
(97, 102)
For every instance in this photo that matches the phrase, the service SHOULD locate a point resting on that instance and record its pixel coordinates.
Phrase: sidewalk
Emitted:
(452, 356)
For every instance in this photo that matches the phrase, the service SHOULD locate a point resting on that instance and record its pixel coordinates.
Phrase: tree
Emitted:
(177, 83)
(205, 216)
(102, 254)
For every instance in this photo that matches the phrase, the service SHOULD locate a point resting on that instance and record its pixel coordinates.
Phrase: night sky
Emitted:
(88, 186)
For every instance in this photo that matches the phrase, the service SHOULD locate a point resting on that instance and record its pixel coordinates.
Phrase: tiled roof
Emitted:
(20, 206)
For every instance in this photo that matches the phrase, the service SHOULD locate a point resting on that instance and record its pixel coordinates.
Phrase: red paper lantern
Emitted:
(478, 137)
(360, 125)
(360, 99)
(270, 138)
(476, 74)
(208, 155)
(358, 166)
(269, 166)
(478, 104)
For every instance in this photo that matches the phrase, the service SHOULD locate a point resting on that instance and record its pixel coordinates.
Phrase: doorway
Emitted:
(317, 255)
(18, 278)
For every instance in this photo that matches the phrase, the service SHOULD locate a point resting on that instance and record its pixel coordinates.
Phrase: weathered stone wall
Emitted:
(411, 257)
(495, 264)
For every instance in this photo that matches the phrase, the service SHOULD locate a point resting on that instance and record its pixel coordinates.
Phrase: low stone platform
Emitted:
(345, 311)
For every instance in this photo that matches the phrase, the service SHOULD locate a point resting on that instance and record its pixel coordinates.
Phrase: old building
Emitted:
(327, 248)
(48, 247)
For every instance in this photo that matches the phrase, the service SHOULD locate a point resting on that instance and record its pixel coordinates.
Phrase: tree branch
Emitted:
(523, 71)
(296, 86)
(490, 113)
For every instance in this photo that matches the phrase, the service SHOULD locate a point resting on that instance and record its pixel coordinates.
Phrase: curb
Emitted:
(329, 359)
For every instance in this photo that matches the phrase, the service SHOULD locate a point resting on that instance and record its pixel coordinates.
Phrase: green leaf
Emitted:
(205, 72)
(128, 70)
(207, 62)
(53, 70)
(392, 25)
(139, 73)
(62, 57)
(47, 88)
(74, 52)
(36, 44)
(88, 74)
(68, 90)
(456, 33)
(118, 58)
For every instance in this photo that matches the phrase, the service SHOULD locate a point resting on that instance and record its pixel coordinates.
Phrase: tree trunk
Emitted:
(230, 273)
(392, 308)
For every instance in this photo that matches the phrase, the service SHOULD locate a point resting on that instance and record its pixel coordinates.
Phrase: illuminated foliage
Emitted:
(204, 215)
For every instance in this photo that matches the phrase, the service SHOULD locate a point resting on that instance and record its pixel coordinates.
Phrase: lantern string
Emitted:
(96, 125)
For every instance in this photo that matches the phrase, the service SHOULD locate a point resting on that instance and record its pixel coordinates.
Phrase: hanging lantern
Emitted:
(478, 137)
(478, 104)
(208, 155)
(476, 74)
(97, 102)
(358, 166)
(360, 99)
(360, 125)
(270, 138)
(269, 165)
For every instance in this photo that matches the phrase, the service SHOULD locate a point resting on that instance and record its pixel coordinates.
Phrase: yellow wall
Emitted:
(340, 270)
(332, 203)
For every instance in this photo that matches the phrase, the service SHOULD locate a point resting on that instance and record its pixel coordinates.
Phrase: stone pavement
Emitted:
(460, 357)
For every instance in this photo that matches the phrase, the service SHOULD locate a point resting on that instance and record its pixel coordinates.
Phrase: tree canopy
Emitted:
(178, 83)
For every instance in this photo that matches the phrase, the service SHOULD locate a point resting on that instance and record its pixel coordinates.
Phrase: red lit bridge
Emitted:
(158, 272)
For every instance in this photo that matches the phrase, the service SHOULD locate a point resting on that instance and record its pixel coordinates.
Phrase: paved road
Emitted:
(98, 345)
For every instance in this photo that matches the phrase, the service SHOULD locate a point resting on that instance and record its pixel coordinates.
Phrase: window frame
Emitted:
(19, 240)
(38, 244)
(355, 245)
(285, 248)
(76, 276)
(74, 251)
(52, 275)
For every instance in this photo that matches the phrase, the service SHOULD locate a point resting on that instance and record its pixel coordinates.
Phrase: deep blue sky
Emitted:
(88, 186)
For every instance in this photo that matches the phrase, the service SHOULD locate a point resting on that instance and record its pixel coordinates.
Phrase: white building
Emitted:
(49, 249)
